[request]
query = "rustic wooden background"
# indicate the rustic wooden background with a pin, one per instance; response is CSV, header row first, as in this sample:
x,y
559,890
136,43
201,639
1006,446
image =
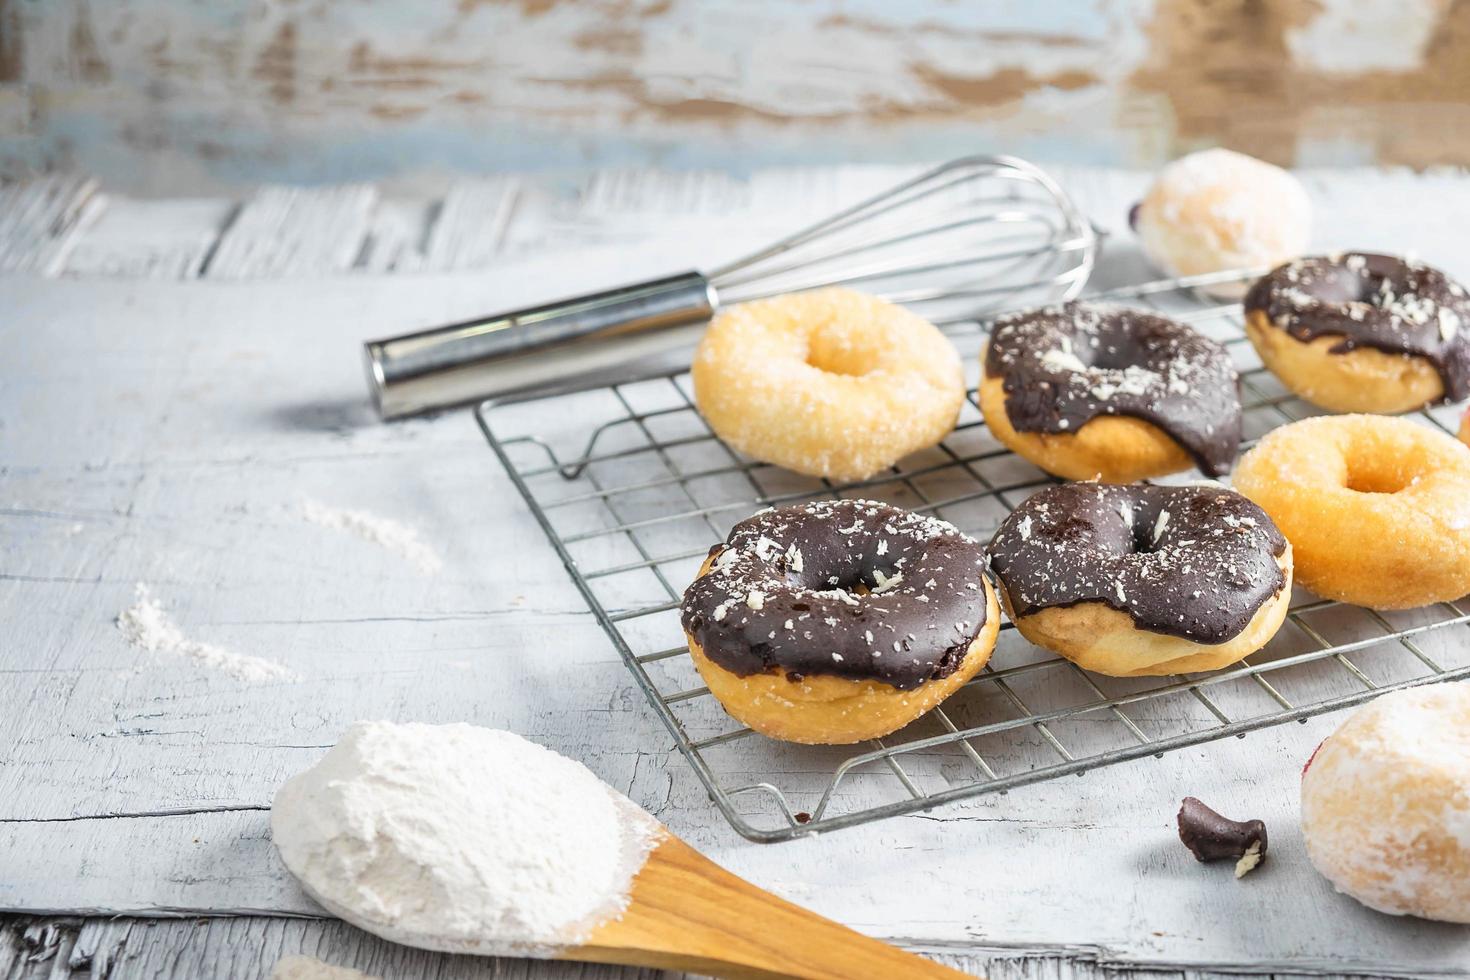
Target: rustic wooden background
x,y
177,96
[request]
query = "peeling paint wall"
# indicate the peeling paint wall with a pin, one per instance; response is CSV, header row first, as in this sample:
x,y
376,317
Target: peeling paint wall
x,y
167,96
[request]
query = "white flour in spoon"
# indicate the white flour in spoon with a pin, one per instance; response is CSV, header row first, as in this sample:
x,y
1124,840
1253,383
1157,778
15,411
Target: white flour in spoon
x,y
462,839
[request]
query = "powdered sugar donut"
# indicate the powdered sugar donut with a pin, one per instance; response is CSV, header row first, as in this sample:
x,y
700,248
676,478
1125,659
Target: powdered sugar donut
x,y
1386,804
831,383
1217,210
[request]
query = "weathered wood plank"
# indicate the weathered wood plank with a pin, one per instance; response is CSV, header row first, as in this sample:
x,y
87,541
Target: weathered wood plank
x,y
470,224
149,239
394,240
166,94
41,219
248,948
294,231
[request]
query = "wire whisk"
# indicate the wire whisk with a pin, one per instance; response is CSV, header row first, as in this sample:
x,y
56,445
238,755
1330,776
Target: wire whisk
x,y
958,242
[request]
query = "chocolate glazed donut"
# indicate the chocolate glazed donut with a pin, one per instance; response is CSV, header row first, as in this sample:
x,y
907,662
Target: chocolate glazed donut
x,y
1092,391
839,620
1143,580
1359,332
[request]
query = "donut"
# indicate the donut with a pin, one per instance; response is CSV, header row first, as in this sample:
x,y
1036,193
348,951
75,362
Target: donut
x,y
1386,803
1143,580
839,620
1217,210
1465,428
1358,332
831,383
1377,508
1088,391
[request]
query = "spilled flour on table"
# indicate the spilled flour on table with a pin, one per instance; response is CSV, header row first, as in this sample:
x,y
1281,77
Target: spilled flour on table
x,y
148,627
398,538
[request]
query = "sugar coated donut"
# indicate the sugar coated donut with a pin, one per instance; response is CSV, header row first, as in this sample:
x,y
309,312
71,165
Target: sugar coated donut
x,y
1376,508
1217,210
1089,391
1357,332
1143,580
1386,804
839,620
830,383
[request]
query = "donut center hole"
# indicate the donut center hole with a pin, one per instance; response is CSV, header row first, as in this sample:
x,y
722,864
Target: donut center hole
x,y
844,362
842,351
1143,539
1378,479
855,586
1108,359
1358,286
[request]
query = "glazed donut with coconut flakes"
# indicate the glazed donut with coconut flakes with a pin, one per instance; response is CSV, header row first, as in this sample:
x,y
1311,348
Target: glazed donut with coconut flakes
x,y
1358,332
1089,391
1386,803
1143,580
1377,508
830,383
839,620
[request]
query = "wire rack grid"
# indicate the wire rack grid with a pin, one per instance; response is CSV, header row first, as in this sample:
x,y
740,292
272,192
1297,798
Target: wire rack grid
x,y
632,488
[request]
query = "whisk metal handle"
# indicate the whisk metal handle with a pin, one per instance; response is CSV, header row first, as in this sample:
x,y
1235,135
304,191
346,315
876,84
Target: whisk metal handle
x,y
528,348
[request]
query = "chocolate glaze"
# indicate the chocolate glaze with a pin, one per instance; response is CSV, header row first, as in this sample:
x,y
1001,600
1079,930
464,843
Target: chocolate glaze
x,y
1376,301
1196,562
786,591
1064,366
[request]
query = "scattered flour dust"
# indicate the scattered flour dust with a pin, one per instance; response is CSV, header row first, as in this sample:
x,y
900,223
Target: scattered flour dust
x,y
148,627
461,839
398,538
310,968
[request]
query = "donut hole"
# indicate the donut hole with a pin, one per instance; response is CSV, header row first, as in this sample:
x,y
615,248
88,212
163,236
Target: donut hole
x,y
835,348
1108,358
841,364
1365,475
1378,281
1144,542
1341,285
852,585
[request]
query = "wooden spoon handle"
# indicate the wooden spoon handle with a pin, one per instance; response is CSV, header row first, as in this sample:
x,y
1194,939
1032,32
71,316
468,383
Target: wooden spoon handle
x,y
688,913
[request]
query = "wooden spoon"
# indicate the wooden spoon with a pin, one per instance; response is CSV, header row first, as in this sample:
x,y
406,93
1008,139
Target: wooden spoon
x,y
688,913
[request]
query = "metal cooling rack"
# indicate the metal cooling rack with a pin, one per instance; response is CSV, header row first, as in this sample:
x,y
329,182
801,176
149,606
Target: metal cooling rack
x,y
632,488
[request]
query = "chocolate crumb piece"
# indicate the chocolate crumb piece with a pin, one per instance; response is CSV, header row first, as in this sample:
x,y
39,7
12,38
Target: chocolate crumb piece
x,y
1211,837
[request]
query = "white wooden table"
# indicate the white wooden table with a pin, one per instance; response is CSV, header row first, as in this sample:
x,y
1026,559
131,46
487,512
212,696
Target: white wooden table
x,y
179,376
